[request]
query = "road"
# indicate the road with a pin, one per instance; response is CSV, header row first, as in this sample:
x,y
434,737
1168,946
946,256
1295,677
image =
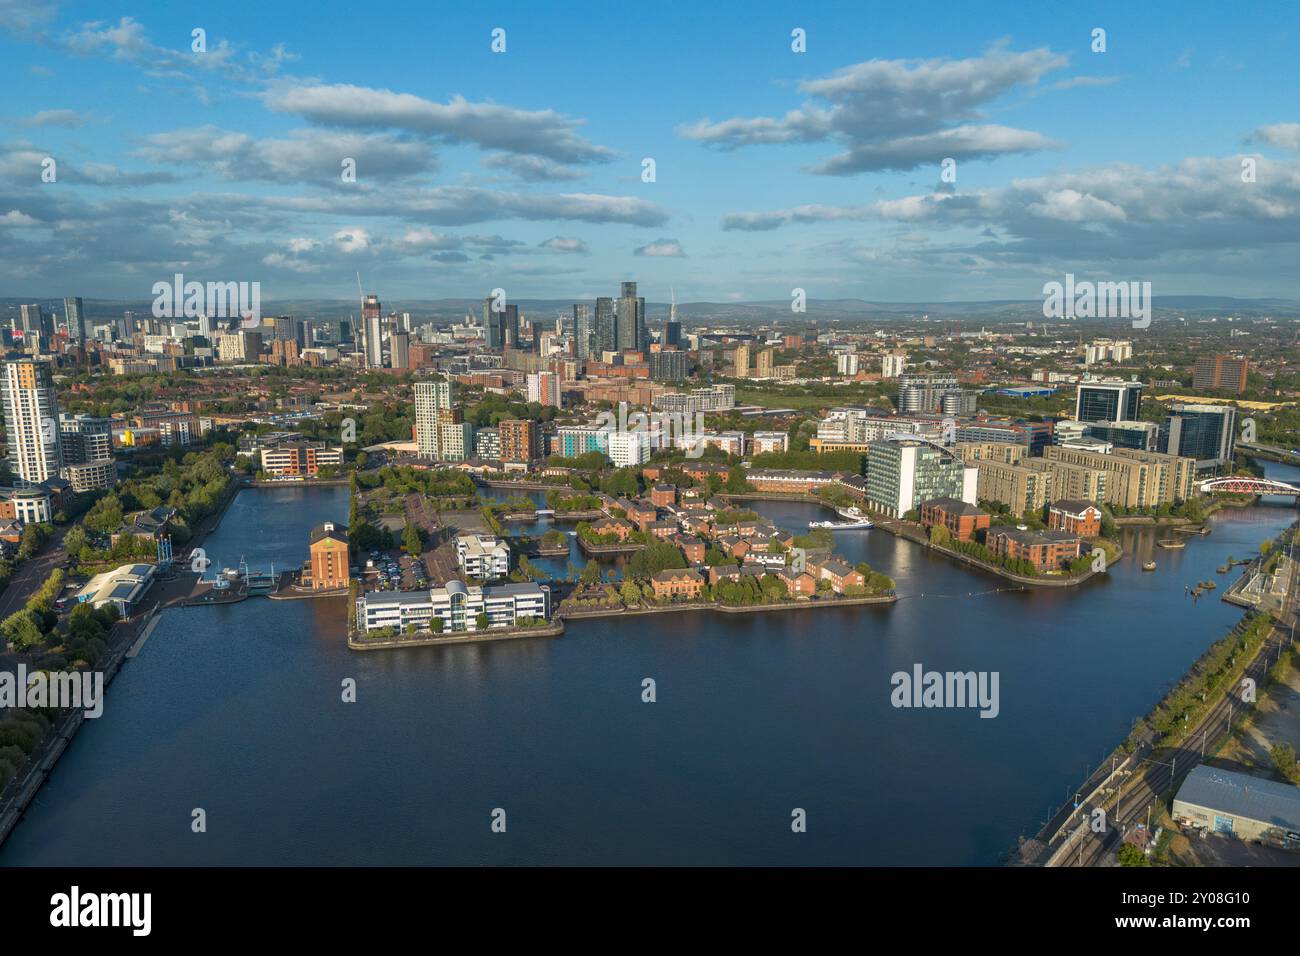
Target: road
x,y
32,573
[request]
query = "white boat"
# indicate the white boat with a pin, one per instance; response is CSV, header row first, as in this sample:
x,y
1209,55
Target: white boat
x,y
842,525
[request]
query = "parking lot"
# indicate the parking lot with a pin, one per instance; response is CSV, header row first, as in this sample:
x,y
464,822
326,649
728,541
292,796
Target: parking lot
x,y
392,571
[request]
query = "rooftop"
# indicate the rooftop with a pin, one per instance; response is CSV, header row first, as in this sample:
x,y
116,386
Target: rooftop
x,y
1239,794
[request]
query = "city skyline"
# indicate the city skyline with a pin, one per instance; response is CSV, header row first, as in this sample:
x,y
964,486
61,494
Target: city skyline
x,y
774,169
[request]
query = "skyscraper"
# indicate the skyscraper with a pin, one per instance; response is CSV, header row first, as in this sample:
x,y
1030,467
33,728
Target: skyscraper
x,y
673,333
31,422
631,333
38,328
510,326
399,350
372,325
74,314
605,338
672,328
493,325
582,331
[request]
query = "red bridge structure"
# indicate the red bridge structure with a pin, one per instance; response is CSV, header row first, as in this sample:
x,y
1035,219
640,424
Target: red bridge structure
x,y
1248,485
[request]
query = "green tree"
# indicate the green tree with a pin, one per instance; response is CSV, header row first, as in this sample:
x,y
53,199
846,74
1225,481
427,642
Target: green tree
x,y
591,573
412,541
630,593
1129,855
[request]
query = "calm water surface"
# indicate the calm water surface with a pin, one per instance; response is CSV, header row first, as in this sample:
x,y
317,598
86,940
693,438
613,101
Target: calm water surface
x,y
237,710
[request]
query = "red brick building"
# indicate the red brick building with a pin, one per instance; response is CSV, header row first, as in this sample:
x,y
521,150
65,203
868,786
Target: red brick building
x,y
680,583
799,583
1045,550
1078,517
692,548
663,496
840,574
961,519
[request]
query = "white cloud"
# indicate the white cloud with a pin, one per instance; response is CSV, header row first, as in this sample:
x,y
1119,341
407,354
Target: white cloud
x,y
899,114
667,248
490,126
1280,135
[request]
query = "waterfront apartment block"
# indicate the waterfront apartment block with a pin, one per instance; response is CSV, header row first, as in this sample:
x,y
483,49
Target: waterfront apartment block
x,y
962,520
679,583
1023,490
327,563
903,472
1045,550
457,606
482,557
1135,479
1071,481
1077,517
300,459
790,481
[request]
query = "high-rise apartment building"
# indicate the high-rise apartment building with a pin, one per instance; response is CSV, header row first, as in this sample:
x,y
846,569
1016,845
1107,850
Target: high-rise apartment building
x,y
431,397
892,364
31,422
1221,371
74,315
582,331
399,350
632,333
372,327
544,388
519,440
605,337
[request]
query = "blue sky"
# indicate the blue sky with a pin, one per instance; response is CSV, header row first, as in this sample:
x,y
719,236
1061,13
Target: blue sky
x,y
774,169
